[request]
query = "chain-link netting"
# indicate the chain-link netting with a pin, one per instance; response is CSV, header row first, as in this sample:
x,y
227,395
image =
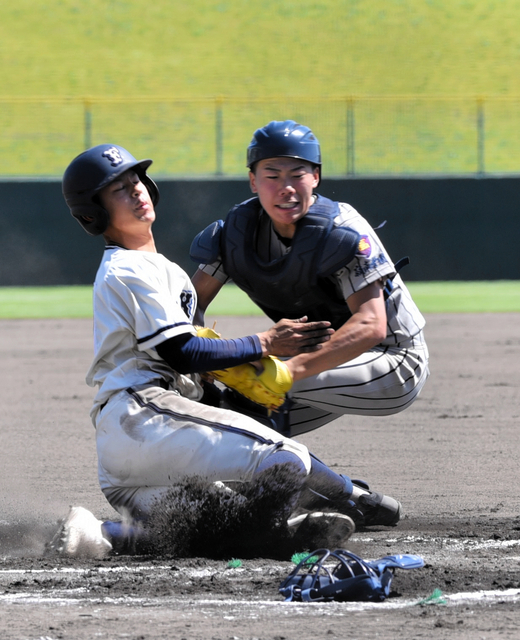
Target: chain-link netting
x,y
358,136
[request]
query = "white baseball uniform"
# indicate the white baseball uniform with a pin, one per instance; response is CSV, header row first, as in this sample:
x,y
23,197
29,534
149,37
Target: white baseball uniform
x,y
151,431
385,379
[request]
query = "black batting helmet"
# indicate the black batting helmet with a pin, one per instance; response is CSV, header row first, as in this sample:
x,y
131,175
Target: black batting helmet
x,y
284,139
92,170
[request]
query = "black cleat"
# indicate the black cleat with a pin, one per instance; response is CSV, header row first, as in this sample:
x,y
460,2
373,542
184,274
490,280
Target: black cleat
x,y
374,508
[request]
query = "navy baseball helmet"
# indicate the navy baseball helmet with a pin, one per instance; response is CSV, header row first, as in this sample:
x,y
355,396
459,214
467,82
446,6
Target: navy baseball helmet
x,y
92,170
284,139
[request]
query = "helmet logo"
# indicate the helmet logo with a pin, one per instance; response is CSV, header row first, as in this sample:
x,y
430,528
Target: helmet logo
x,y
114,155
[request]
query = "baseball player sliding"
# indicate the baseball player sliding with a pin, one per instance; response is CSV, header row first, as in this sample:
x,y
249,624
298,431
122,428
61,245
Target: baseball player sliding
x,y
155,425
296,253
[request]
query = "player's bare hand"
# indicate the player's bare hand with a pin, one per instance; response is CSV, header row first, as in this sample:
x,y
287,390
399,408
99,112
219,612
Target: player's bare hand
x,y
288,338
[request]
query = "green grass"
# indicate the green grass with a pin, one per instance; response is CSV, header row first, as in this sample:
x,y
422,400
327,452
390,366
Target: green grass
x,y
467,297
266,60
46,302
431,297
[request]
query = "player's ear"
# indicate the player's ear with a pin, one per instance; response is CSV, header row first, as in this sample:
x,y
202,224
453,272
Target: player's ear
x,y
252,182
316,175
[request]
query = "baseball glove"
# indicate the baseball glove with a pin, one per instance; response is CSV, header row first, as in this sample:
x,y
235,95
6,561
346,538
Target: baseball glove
x,y
267,388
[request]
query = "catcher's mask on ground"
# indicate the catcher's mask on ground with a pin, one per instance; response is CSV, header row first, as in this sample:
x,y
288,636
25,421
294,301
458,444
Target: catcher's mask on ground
x,y
325,575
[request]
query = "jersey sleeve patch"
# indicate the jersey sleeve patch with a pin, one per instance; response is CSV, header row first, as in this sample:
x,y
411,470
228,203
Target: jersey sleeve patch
x,y
364,247
364,268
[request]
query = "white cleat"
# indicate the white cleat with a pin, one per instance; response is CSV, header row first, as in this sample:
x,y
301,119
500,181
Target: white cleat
x,y
323,529
218,484
80,536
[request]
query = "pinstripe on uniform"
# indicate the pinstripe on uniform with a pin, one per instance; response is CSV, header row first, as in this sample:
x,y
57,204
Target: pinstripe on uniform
x,y
382,381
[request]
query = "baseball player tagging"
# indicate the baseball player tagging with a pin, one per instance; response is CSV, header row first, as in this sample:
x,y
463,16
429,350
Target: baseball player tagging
x,y
155,423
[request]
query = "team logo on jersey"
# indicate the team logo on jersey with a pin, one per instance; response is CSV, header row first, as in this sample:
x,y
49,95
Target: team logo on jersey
x,y
114,155
187,303
364,247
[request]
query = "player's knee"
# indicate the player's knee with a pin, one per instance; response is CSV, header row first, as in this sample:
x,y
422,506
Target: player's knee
x,y
283,458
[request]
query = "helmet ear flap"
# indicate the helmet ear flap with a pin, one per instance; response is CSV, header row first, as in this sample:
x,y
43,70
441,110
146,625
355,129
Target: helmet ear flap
x,y
153,189
92,217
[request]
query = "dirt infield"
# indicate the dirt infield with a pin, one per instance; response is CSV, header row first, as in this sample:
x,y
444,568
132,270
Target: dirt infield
x,y
452,459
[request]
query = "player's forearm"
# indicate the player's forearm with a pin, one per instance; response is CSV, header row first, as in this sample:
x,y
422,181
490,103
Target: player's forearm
x,y
355,337
198,317
192,354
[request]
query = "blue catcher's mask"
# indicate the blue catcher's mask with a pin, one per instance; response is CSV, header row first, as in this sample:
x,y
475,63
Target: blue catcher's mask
x,y
325,575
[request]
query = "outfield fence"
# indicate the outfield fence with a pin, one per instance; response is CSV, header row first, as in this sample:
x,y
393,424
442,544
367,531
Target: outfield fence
x,y
391,135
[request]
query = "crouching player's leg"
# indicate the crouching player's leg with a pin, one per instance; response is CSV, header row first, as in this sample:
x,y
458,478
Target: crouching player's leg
x,y
151,439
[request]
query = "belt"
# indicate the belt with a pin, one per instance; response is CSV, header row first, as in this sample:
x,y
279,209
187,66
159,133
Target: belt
x,y
159,382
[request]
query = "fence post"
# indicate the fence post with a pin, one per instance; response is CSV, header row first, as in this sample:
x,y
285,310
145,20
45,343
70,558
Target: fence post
x,y
481,134
87,108
350,137
219,142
